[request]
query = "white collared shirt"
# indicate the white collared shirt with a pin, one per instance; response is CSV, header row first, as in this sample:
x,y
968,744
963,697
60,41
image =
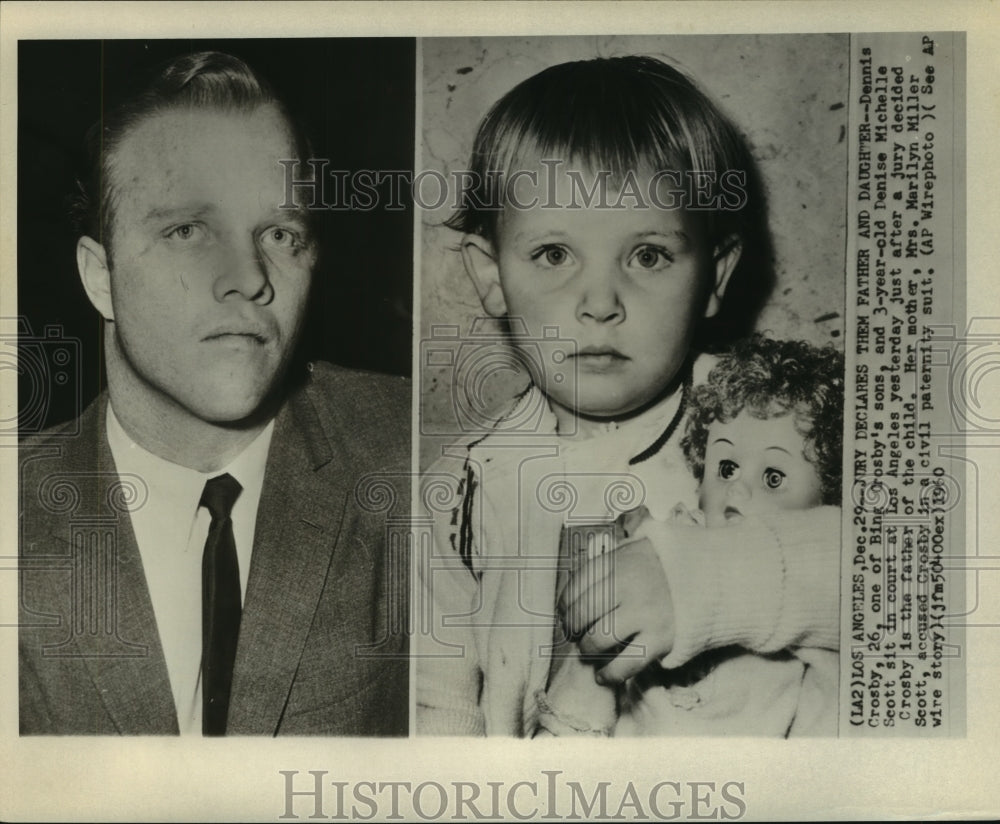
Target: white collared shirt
x,y
170,530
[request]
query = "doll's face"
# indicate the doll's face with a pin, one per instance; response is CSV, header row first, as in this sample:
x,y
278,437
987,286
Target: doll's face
x,y
756,467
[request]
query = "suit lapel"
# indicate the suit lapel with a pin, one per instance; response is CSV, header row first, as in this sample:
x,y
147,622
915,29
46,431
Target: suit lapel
x,y
126,662
136,690
298,522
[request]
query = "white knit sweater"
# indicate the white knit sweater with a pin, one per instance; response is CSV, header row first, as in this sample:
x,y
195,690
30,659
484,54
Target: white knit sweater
x,y
487,580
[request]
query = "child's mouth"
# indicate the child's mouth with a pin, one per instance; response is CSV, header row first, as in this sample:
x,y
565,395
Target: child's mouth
x,y
600,358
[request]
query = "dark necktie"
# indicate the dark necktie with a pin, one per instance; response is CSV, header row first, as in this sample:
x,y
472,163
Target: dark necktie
x,y
220,604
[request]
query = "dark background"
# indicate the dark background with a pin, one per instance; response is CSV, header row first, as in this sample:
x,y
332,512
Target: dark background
x,y
355,98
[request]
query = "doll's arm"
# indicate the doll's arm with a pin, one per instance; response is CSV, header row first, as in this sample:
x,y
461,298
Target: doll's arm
x,y
763,586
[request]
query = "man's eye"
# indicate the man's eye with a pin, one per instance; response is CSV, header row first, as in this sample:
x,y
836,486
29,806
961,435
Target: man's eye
x,y
551,256
773,478
651,257
728,470
186,231
281,237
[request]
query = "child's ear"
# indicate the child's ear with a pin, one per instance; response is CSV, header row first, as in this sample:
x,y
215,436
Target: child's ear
x,y
92,264
481,265
726,255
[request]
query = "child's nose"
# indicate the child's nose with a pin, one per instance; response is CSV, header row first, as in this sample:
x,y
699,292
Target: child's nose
x,y
600,299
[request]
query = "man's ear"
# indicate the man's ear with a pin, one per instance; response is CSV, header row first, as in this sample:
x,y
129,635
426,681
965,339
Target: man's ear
x,y
726,255
92,263
481,265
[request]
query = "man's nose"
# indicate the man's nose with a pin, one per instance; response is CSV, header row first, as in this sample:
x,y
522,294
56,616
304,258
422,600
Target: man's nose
x,y
600,296
244,273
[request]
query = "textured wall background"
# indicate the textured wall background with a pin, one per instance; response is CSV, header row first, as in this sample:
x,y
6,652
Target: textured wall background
x,y
787,93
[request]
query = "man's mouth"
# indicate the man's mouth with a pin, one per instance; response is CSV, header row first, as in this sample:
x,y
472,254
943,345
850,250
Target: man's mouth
x,y
249,333
249,337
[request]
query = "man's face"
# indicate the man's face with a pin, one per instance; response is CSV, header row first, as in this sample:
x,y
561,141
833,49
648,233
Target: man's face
x,y
209,278
756,467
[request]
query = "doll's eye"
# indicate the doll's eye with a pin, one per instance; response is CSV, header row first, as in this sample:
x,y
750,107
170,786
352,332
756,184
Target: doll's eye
x,y
773,478
551,255
728,470
650,257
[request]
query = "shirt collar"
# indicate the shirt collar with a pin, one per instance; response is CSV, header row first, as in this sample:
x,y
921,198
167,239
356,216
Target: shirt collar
x,y
624,439
179,483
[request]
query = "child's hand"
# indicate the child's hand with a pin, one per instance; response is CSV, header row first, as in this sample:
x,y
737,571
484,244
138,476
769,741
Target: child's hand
x,y
628,524
574,703
620,606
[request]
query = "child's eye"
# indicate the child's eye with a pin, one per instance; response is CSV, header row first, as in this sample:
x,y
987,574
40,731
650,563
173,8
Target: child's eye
x,y
551,255
773,478
728,470
651,257
185,232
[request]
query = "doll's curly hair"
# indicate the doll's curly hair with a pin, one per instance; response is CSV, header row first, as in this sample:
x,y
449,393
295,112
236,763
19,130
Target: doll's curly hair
x,y
770,378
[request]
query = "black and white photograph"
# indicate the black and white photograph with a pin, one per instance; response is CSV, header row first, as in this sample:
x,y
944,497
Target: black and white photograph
x,y
213,368
628,261
666,285
408,406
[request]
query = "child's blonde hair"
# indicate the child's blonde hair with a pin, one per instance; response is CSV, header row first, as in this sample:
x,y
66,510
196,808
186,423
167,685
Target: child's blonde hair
x,y
623,114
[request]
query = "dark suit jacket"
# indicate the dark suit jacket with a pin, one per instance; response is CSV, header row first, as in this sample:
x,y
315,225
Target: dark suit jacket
x,y
322,647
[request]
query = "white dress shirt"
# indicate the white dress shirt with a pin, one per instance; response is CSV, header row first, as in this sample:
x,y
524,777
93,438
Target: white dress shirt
x,y
170,530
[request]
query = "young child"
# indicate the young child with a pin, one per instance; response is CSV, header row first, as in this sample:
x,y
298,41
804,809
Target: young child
x,y
614,204
763,437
